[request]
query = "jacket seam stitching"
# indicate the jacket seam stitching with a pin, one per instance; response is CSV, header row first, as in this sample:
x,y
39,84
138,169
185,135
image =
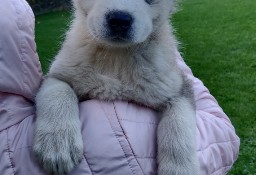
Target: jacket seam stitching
x,y
225,168
16,123
119,142
21,47
215,143
89,166
9,154
127,139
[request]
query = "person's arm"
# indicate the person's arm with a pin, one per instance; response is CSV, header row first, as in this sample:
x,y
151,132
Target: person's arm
x,y
217,142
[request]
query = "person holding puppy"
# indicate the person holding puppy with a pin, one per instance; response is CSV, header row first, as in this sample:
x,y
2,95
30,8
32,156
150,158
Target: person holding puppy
x,y
118,137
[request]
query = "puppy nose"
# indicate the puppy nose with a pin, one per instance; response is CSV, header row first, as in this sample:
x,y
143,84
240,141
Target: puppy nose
x,y
119,22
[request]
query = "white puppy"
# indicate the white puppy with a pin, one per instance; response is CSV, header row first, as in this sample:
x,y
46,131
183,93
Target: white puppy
x,y
117,49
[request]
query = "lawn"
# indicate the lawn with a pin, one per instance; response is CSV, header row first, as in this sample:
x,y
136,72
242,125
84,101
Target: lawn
x,y
218,42
50,31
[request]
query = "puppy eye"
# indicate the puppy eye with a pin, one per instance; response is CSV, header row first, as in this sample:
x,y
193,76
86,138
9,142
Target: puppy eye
x,y
149,1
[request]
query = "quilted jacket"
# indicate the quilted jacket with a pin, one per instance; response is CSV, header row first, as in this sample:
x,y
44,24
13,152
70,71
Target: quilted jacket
x,y
119,137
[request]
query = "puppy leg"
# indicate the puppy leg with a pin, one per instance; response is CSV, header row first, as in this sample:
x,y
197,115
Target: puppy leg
x,y
57,142
176,140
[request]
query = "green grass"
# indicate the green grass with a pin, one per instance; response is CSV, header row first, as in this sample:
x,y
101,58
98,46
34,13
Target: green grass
x,y
219,43
50,29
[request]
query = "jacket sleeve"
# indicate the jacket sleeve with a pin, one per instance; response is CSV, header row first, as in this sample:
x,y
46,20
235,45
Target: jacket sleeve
x,y
217,142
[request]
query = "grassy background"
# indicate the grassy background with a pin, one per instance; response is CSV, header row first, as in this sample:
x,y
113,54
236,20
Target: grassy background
x,y
50,30
218,42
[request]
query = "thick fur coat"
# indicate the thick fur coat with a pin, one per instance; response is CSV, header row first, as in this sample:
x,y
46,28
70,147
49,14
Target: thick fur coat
x,y
99,60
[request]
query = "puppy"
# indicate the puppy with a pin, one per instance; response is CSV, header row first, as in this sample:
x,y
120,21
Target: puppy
x,y
117,50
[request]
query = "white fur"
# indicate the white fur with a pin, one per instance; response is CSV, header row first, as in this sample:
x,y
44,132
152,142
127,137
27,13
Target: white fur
x,y
58,135
143,69
178,128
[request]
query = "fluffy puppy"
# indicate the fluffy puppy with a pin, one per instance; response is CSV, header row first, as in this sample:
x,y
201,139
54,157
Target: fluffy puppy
x,y
117,50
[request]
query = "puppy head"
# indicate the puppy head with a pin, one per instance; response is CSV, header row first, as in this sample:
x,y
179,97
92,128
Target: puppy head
x,y
122,22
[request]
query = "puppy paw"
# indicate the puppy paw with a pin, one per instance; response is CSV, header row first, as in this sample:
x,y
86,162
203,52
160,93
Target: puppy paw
x,y
58,152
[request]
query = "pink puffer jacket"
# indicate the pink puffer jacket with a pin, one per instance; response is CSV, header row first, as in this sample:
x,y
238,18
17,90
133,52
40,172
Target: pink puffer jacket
x,y
119,137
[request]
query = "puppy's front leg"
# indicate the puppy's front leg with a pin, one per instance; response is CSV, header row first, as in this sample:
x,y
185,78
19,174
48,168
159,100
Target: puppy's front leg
x,y
176,139
57,141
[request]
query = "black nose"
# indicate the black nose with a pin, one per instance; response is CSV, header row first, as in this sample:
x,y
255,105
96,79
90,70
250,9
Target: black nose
x,y
119,22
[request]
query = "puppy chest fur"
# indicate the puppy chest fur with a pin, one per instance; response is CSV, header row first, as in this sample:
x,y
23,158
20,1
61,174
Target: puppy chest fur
x,y
145,70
